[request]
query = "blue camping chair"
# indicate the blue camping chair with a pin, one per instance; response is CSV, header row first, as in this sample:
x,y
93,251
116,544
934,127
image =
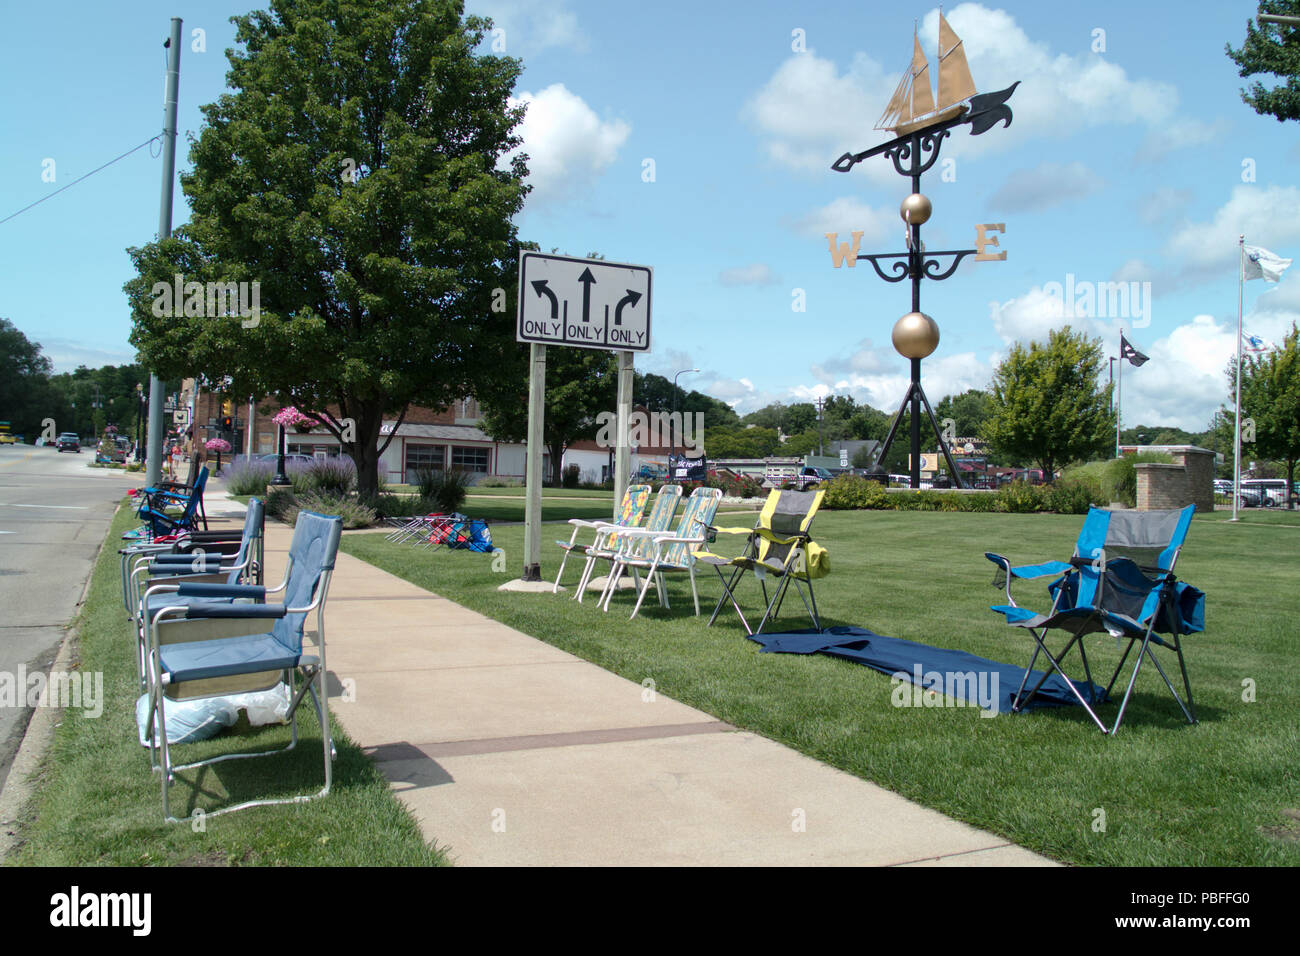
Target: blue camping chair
x,y
155,578
211,649
1120,581
158,522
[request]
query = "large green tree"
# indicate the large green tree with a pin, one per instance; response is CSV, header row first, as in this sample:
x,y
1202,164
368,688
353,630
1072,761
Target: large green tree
x,y
24,382
357,173
1048,404
1271,50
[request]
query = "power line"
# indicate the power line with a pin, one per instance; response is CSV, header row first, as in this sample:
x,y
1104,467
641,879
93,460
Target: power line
x,y
80,178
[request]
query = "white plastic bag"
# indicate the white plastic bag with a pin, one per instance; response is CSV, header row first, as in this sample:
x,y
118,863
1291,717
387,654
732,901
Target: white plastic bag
x,y
187,720
264,706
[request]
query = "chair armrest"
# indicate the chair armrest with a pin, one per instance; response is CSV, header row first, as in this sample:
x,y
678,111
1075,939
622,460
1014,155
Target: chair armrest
x,y
246,611
718,529
254,591
199,564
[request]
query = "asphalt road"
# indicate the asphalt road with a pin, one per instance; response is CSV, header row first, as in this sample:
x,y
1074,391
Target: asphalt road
x,y
54,512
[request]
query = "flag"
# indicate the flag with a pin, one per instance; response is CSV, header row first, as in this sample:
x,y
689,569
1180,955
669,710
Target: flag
x,y
1253,343
1127,351
1262,264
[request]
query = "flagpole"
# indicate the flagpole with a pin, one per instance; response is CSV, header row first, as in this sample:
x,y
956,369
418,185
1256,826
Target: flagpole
x,y
1236,427
1119,390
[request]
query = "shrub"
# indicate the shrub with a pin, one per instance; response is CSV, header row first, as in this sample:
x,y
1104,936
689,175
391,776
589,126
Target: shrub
x,y
244,476
447,493
854,491
355,514
282,505
497,481
1120,482
426,480
569,477
1073,496
335,475
1020,497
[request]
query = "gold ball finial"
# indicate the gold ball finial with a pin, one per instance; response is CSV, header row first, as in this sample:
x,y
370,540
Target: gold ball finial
x,y
915,335
916,209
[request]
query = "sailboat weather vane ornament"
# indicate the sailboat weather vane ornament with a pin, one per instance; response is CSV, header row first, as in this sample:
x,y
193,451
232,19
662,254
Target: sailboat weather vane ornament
x,y
921,122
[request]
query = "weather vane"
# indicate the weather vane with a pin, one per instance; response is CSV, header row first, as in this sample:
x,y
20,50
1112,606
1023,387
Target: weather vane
x,y
920,123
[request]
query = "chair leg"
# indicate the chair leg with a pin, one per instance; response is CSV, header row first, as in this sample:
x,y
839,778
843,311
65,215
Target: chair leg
x,y
776,598
649,578
563,561
694,592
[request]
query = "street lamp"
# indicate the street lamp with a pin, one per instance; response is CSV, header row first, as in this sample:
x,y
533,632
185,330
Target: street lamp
x,y
139,436
674,448
280,477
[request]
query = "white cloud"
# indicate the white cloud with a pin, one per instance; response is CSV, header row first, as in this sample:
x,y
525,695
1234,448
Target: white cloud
x,y
568,145
1180,134
809,112
1164,205
1267,215
846,215
531,27
760,273
1046,185
67,354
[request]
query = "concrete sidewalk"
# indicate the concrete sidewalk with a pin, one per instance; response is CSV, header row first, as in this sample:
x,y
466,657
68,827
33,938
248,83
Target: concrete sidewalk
x,y
511,752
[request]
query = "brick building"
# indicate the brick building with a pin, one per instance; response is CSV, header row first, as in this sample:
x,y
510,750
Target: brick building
x,y
427,439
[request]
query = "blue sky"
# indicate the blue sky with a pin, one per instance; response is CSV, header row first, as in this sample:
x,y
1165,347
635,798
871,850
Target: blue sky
x,y
1136,163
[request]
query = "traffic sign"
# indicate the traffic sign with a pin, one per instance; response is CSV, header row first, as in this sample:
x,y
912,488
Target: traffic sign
x,y
588,303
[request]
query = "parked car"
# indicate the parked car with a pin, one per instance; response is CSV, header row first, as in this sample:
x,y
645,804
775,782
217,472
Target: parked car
x,y
288,457
68,441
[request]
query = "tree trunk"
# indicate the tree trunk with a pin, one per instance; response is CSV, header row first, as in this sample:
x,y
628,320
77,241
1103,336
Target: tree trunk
x,y
557,459
364,451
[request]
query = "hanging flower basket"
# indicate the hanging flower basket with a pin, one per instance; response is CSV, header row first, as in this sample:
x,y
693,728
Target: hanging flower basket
x,y
290,417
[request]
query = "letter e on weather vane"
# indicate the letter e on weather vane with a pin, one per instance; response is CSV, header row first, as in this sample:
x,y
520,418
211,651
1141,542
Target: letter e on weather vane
x,y
983,241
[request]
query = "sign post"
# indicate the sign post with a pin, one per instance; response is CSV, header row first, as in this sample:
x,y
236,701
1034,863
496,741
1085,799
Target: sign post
x,y
533,466
584,303
623,448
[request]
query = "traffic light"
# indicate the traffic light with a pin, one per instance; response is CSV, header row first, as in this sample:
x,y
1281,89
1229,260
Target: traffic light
x,y
227,423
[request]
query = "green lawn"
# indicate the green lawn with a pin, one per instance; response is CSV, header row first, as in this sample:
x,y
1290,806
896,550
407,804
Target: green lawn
x,y
99,803
1172,794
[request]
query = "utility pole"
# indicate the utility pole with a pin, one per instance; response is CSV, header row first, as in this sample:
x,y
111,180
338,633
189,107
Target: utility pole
x,y
153,460
821,405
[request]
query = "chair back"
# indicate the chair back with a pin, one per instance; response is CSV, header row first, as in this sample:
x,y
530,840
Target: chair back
x,y
1136,544
632,507
1152,539
196,496
312,552
659,519
785,514
696,516
253,524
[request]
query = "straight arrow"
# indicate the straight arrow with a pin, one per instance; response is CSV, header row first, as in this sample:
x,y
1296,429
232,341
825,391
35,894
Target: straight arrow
x,y
542,289
632,298
587,280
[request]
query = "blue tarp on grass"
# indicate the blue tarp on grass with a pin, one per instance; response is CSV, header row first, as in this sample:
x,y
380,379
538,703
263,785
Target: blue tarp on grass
x,y
958,674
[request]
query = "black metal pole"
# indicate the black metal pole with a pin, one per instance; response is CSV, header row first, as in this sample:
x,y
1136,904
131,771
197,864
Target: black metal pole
x,y
915,423
280,477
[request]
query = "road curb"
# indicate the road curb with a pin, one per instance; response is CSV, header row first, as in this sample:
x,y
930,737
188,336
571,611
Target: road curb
x,y
21,782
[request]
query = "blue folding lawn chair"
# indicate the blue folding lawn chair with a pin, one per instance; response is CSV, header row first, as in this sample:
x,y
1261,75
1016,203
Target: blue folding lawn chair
x,y
210,649
1120,581
159,523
